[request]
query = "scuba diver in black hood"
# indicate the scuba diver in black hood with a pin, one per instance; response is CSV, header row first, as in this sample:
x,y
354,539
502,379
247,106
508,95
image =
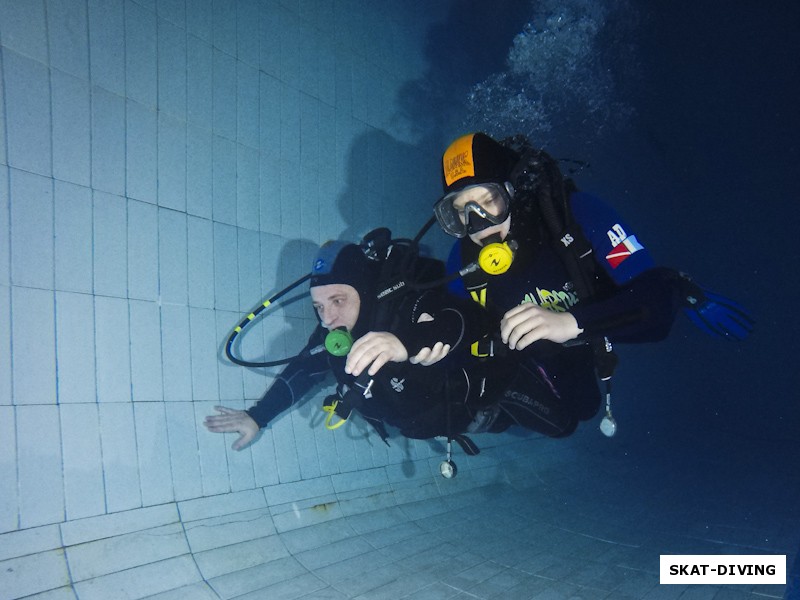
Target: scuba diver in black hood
x,y
382,374
565,276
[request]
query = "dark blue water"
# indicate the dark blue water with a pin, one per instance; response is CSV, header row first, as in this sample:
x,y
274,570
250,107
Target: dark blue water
x,y
687,113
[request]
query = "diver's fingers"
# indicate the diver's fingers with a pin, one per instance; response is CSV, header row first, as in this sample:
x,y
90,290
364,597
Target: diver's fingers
x,y
429,356
227,415
226,423
440,353
524,315
219,425
361,355
358,357
533,323
420,357
234,421
527,339
240,442
379,346
372,359
518,309
386,348
526,333
381,359
246,436
519,323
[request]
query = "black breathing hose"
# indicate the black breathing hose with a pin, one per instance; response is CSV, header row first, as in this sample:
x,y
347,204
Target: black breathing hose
x,y
249,319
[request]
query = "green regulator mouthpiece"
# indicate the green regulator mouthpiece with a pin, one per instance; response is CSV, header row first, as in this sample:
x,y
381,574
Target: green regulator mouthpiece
x,y
338,341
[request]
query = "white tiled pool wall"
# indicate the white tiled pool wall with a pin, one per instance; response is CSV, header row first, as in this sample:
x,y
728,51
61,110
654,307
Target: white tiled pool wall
x,y
163,165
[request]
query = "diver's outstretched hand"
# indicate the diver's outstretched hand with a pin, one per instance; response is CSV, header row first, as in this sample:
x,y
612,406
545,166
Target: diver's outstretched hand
x,y
528,323
229,421
373,350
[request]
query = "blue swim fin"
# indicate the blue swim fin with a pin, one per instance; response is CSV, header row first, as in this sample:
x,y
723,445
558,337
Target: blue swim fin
x,y
716,315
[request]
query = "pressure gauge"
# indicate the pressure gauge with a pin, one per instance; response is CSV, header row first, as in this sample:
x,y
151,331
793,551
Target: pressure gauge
x,y
608,426
448,469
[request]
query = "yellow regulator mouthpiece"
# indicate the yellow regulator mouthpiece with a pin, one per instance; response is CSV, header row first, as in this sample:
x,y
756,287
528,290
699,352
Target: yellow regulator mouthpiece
x,y
496,258
338,342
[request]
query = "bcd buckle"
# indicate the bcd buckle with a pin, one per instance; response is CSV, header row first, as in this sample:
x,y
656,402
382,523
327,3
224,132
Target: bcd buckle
x,y
335,409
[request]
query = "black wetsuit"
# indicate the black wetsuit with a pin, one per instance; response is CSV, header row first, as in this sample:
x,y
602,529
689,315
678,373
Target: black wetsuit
x,y
549,387
411,398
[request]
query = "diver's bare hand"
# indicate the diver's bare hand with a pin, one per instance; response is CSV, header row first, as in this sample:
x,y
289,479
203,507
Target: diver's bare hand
x,y
429,356
372,351
528,323
230,421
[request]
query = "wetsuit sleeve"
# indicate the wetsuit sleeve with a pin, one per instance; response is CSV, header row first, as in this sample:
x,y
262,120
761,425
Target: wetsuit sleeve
x,y
616,245
641,300
455,321
642,310
297,378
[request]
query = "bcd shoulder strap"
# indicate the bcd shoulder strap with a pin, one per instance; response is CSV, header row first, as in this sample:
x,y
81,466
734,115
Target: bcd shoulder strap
x,y
541,176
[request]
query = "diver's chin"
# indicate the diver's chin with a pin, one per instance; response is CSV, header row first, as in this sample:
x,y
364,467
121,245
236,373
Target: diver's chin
x,y
481,237
500,230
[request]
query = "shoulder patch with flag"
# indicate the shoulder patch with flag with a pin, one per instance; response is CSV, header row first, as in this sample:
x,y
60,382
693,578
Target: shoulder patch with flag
x,y
623,246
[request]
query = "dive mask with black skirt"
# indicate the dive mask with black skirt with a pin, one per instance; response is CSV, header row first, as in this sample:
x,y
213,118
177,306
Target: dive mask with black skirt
x,y
474,208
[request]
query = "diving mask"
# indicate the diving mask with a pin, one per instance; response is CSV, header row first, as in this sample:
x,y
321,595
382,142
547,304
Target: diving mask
x,y
474,208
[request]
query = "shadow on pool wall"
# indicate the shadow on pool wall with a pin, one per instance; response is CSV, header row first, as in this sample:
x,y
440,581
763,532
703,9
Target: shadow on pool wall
x,y
131,203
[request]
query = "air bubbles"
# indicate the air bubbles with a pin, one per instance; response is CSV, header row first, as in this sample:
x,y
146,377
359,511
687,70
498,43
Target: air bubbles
x,y
560,73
